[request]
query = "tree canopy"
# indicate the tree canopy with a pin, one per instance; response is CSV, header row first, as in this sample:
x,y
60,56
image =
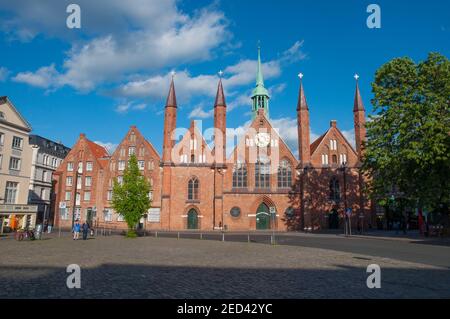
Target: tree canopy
x,y
407,153
131,198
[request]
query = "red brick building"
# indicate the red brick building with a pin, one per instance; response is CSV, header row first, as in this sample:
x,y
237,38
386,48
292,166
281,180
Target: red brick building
x,y
259,184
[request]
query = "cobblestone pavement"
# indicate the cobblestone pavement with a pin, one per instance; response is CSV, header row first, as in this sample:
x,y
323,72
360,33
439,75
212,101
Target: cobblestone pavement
x,y
115,267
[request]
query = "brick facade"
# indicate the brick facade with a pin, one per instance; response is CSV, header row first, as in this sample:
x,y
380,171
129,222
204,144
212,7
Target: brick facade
x,y
260,184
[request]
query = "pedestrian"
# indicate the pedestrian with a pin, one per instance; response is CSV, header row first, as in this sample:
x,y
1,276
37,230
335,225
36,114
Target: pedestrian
x,y
76,230
49,228
85,229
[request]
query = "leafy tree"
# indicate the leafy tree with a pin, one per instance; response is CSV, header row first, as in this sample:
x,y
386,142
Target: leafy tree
x,y
131,198
407,152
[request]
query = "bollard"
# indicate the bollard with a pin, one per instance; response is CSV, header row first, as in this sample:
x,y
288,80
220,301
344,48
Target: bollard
x,y
156,234
178,235
248,238
223,236
201,236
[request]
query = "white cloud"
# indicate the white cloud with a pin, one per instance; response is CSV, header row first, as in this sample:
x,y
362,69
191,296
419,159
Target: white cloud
x,y
110,147
350,136
156,35
198,112
125,107
45,77
4,73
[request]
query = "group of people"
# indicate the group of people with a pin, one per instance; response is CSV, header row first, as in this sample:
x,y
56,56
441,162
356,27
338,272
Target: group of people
x,y
78,228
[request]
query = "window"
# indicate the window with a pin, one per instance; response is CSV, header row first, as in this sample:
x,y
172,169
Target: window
x,y
109,195
14,163
343,158
89,166
80,167
335,193
142,151
150,195
120,218
150,164
262,173
64,212
43,194
87,196
69,181
112,166
110,182
120,180
11,192
122,165
1,160
193,189
78,199
141,165
132,150
122,152
79,182
333,145
70,167
68,196
2,139
88,181
45,176
133,137
107,214
17,142
285,174
324,159
334,159
240,175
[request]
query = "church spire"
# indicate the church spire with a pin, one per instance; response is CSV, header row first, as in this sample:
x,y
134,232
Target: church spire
x,y
260,96
171,97
358,103
220,97
301,104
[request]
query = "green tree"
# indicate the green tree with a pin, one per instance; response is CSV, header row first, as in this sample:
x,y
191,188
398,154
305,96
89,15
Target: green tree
x,y
131,198
408,139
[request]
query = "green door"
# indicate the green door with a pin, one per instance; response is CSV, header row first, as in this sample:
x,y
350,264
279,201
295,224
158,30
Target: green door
x,y
263,217
192,219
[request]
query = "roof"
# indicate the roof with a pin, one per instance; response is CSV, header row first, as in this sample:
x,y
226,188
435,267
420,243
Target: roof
x,y
97,150
171,97
317,142
220,97
49,146
5,99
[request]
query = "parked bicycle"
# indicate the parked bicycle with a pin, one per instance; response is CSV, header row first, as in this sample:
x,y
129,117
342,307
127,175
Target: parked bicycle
x,y
24,234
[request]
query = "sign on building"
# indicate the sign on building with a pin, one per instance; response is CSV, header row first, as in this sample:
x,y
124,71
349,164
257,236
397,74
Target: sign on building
x,y
154,215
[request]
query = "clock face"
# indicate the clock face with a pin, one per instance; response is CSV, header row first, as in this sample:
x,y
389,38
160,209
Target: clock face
x,y
262,139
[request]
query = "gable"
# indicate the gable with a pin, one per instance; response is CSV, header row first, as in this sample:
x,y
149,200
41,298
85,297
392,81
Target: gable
x,y
188,146
323,146
140,141
246,146
11,115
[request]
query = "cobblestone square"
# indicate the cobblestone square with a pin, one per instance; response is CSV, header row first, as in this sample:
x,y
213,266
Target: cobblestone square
x,y
115,267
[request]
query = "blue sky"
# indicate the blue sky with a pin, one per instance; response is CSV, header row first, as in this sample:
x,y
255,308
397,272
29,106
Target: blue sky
x,y
114,72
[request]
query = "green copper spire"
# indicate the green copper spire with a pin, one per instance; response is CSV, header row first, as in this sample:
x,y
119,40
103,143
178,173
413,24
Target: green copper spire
x,y
260,96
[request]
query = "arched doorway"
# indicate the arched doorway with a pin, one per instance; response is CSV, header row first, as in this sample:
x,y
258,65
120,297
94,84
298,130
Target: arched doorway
x,y
192,219
263,217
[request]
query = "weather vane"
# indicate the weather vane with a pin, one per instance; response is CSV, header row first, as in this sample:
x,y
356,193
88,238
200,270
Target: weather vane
x,y
173,73
220,73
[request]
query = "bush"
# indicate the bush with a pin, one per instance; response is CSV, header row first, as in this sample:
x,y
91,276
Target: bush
x,y
131,234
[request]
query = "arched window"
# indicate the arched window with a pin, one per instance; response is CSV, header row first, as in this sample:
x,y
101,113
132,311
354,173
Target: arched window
x,y
240,175
192,158
335,192
285,174
262,173
193,189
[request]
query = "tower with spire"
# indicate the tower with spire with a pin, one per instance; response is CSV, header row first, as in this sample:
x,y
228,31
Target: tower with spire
x,y
260,95
170,124
359,117
220,124
303,126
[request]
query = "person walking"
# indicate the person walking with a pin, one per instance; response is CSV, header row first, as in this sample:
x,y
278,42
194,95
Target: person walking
x,y
76,230
85,229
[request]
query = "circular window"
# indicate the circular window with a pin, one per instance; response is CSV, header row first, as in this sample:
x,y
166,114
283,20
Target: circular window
x,y
235,212
289,212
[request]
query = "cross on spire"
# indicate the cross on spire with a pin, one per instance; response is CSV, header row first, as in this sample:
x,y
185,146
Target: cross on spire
x,y
220,73
356,76
300,75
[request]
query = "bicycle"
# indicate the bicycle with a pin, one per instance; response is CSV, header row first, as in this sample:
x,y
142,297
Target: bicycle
x,y
24,234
